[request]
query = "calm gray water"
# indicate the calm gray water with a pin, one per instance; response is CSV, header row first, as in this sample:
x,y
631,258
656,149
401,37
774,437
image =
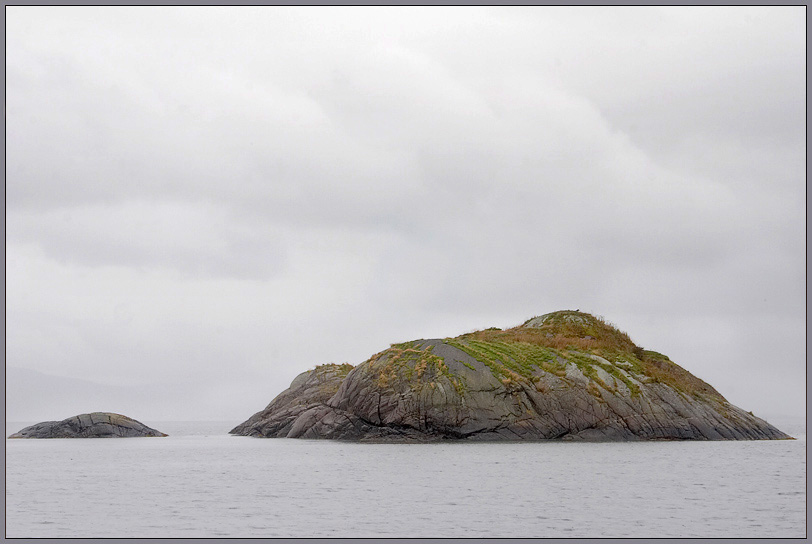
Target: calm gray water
x,y
199,482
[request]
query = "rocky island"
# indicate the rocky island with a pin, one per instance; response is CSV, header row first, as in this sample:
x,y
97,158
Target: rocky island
x,y
566,375
93,425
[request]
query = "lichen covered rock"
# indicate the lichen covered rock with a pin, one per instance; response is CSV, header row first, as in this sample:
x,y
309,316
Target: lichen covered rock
x,y
566,375
93,425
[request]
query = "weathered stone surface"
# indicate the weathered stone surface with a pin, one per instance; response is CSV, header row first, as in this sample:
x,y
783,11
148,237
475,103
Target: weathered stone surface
x,y
308,390
566,375
93,425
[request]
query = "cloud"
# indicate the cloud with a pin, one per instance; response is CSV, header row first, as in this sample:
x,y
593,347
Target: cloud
x,y
266,189
193,238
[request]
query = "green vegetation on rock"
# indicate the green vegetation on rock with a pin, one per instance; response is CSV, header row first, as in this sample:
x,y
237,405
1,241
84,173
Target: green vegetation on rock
x,y
342,370
547,342
509,361
563,375
419,367
542,344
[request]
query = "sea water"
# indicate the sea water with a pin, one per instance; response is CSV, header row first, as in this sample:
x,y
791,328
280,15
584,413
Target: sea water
x,y
201,482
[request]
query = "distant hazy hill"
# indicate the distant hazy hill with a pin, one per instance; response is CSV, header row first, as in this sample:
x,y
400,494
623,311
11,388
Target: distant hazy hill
x,y
33,396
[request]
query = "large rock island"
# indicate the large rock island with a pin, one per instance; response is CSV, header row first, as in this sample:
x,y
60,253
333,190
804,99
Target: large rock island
x,y
565,375
93,425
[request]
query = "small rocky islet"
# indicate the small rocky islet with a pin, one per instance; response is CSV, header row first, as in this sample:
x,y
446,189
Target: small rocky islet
x,y
92,425
566,375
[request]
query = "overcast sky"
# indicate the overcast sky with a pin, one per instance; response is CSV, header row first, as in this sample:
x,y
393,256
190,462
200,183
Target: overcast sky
x,y
209,201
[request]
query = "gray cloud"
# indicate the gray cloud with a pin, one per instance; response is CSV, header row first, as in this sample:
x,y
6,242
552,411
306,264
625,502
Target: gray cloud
x,y
194,238
232,193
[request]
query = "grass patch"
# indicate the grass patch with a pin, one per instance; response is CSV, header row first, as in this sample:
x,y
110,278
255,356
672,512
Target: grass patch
x,y
579,330
508,361
415,366
661,369
326,374
342,370
587,365
567,330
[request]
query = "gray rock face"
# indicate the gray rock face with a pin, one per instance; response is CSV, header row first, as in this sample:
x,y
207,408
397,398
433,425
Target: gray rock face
x,y
93,425
508,385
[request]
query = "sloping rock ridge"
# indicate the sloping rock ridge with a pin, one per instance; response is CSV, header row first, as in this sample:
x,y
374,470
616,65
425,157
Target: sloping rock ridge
x,y
566,375
93,425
